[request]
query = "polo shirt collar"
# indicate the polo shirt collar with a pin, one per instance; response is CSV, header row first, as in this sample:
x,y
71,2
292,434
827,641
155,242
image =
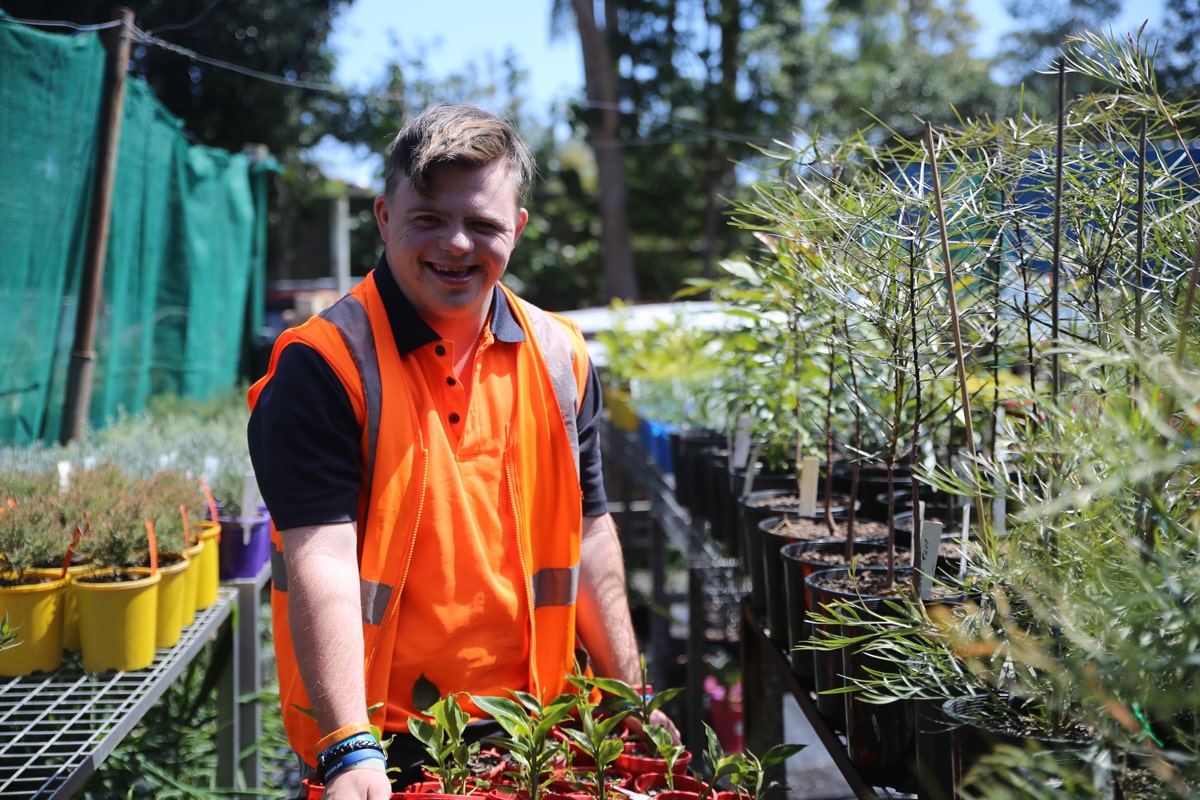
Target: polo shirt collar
x,y
412,332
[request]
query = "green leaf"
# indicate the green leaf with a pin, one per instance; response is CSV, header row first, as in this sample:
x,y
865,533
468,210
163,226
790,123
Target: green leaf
x,y
425,693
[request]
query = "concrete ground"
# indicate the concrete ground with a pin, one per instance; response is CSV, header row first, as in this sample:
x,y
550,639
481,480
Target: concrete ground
x,y
811,773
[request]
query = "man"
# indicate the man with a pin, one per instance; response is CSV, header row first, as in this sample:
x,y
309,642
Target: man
x,y
429,450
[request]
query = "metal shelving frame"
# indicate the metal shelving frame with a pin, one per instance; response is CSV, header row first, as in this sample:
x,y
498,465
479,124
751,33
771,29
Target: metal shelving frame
x,y
766,671
57,728
632,470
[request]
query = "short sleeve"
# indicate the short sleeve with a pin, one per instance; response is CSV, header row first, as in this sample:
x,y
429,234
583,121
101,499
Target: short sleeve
x,y
591,469
305,443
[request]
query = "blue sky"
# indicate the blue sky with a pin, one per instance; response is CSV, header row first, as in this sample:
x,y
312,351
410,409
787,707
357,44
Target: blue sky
x,y
460,32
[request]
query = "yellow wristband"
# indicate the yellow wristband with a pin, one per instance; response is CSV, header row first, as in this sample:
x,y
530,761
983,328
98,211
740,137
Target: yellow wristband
x,y
344,732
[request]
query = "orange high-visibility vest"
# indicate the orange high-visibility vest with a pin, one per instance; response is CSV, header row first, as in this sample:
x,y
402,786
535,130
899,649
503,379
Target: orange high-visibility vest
x,y
356,340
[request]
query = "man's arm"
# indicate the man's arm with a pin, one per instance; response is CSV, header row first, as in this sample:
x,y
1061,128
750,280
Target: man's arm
x,y
325,614
602,609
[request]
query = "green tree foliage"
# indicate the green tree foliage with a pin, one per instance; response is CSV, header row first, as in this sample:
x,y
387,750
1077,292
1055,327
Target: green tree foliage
x,y
286,39
1028,55
697,84
706,87
894,64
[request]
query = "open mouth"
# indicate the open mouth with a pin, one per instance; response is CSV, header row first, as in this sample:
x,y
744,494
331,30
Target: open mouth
x,y
460,274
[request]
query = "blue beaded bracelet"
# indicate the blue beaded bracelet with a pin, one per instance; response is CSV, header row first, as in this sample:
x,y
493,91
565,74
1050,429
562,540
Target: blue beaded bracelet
x,y
348,760
344,746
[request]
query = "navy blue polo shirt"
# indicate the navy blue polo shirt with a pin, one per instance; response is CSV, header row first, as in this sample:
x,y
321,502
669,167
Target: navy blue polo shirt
x,y
306,444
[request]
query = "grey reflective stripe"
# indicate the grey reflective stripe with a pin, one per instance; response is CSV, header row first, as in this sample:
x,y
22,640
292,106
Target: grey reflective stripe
x,y
349,316
560,359
278,569
374,597
555,586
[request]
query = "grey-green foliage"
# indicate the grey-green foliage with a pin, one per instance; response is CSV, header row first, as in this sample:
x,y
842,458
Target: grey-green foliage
x,y
1082,601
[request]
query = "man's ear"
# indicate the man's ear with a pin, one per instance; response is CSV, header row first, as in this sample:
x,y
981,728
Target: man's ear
x,y
522,221
382,214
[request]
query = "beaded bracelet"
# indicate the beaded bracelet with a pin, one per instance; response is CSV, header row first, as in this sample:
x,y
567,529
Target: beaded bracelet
x,y
328,753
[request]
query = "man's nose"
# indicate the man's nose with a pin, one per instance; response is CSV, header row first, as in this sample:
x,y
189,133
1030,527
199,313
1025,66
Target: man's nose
x,y
456,239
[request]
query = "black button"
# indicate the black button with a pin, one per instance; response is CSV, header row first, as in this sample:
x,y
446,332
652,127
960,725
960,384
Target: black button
x,y
450,381
441,351
454,419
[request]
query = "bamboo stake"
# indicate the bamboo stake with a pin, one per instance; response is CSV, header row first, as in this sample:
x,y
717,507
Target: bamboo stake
x,y
1056,266
83,356
1140,241
960,359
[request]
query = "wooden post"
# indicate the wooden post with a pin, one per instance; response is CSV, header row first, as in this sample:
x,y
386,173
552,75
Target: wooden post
x,y
83,357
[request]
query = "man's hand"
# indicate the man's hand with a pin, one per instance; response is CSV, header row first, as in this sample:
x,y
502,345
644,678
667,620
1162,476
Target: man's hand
x,y
657,717
359,784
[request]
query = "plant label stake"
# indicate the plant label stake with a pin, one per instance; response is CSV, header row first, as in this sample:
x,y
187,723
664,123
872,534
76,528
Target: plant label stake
x,y
212,501
927,551
751,470
810,470
187,533
965,543
75,537
741,442
249,495
64,475
153,547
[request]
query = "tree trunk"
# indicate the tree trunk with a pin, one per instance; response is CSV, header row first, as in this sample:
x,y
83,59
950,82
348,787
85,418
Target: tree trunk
x,y
599,73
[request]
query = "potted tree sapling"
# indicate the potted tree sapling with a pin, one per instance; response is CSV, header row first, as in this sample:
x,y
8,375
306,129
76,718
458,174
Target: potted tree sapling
x,y
529,736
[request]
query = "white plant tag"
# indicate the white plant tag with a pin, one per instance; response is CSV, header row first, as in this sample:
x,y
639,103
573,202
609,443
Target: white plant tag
x,y
930,539
249,501
751,470
64,475
964,542
741,443
810,471
211,465
89,462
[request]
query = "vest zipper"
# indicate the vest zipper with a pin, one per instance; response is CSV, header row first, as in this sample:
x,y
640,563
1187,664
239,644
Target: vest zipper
x,y
526,570
394,608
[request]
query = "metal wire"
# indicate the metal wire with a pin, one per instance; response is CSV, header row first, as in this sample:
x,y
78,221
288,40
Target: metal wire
x,y
56,728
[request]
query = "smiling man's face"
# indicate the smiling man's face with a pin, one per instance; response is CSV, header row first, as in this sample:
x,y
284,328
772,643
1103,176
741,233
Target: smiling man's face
x,y
448,248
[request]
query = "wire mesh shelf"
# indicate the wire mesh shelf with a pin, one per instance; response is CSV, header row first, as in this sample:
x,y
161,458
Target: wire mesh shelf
x,y
56,728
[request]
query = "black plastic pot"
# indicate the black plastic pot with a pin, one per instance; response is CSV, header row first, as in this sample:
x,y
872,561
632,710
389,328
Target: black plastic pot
x,y
769,543
797,566
687,446
972,738
872,486
753,508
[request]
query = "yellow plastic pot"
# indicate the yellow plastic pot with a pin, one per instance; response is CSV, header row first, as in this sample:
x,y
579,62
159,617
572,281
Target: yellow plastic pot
x,y
35,610
118,620
70,609
208,564
191,584
172,594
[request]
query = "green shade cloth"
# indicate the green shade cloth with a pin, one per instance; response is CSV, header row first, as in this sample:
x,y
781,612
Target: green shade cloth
x,y
183,277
